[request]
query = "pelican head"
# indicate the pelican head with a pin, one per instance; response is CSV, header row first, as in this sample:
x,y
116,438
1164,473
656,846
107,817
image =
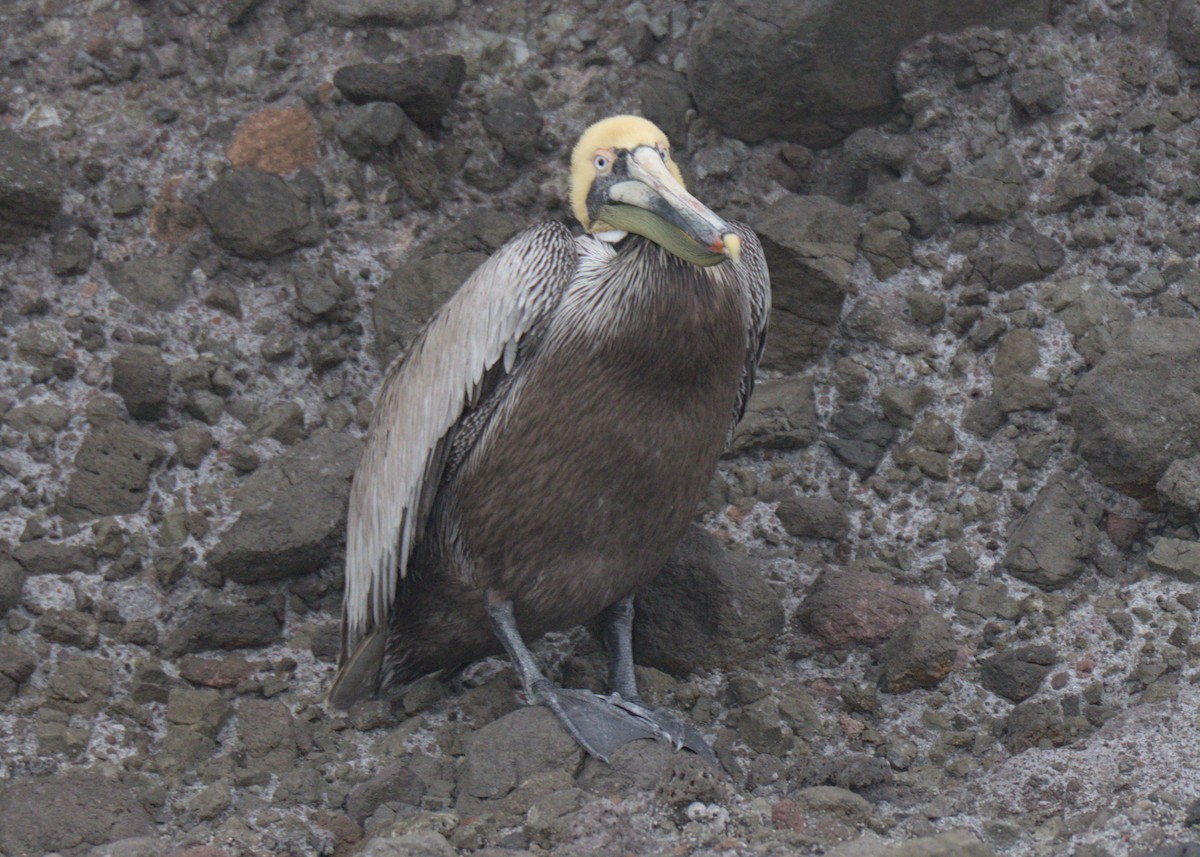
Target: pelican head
x,y
623,180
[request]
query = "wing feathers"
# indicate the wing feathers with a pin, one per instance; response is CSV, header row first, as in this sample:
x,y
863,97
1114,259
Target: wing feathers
x,y
424,395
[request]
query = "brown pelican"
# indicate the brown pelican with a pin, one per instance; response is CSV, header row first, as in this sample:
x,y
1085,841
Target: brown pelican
x,y
537,453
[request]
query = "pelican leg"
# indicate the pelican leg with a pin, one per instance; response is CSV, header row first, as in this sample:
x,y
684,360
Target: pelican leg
x,y
599,725
617,625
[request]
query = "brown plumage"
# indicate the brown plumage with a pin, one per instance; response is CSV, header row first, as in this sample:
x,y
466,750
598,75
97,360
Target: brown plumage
x,y
546,439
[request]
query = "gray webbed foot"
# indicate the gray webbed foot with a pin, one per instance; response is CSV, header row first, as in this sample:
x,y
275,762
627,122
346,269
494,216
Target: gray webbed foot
x,y
601,726
673,728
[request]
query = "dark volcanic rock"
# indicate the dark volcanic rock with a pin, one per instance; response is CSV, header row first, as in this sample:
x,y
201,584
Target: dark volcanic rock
x,y
989,191
16,666
152,282
1183,34
257,215
1138,409
424,87
1095,316
515,120
845,607
1051,545
67,812
71,249
1025,256
781,414
45,557
1177,557
860,438
293,512
919,654
506,752
813,517
224,626
369,128
112,469
390,13
1034,724
1038,91
30,189
394,783
707,608
1179,487
1016,675
1121,168
666,101
809,243
917,203
12,581
430,274
819,70
143,379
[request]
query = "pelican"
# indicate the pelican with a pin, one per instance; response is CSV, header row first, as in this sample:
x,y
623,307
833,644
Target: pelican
x,y
539,450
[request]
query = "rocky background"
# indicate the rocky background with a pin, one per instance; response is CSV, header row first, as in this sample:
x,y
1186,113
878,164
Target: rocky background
x,y
944,593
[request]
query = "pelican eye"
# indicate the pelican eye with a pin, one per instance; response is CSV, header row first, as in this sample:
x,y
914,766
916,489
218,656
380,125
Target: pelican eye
x,y
662,153
602,163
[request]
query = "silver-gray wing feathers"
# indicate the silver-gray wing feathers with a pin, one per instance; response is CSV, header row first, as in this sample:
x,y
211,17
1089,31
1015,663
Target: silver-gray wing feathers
x,y
424,394
755,281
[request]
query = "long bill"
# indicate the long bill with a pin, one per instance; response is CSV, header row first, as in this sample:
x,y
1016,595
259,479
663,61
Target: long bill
x,y
654,204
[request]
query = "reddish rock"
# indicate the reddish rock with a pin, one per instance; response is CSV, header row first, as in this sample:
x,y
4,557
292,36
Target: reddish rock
x,y
1123,531
787,815
276,140
172,220
845,607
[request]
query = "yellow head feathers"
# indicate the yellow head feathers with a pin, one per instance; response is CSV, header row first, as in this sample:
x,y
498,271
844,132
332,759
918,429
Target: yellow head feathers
x,y
615,132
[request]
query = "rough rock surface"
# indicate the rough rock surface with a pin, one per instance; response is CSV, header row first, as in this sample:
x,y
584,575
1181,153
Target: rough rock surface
x,y
940,630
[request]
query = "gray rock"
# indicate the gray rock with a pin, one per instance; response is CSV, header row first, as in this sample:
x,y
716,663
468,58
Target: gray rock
x,y
706,608
847,607
989,191
809,243
885,244
1038,92
430,274
415,166
920,653
1050,546
282,421
781,414
1024,257
390,13
192,443
30,189
71,250
1138,409
422,844
901,404
68,811
666,101
1013,388
126,199
206,627
818,70
12,582
1095,316
1034,724
26,418
112,469
45,557
394,783
1183,32
1017,674
813,517
860,438
369,128
507,752
424,87
16,666
143,379
515,120
1179,488
69,627
1120,168
917,203
156,283
293,512
257,215
134,846
879,317
954,843
1072,187
1176,557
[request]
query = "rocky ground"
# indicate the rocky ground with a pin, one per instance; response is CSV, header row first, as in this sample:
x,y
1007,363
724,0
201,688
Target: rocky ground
x,y
943,593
